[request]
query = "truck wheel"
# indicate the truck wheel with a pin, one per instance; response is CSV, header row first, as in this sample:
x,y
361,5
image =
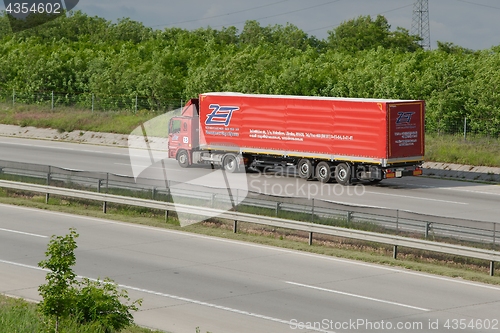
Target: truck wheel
x,y
230,163
324,172
343,174
183,159
305,169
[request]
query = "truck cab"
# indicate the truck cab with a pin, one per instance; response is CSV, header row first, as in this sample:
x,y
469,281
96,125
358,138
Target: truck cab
x,y
183,134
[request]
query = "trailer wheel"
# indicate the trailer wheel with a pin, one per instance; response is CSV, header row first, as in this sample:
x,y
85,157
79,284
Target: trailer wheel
x,y
343,174
230,163
305,169
324,172
183,159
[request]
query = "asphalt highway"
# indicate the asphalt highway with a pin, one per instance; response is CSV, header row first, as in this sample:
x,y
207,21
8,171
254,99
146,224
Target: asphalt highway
x,y
455,199
224,286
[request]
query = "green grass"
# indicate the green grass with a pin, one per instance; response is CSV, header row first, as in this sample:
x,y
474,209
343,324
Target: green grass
x,y
20,316
70,119
475,150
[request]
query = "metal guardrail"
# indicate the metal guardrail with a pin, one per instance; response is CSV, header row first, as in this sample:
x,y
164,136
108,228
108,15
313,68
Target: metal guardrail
x,y
311,228
392,220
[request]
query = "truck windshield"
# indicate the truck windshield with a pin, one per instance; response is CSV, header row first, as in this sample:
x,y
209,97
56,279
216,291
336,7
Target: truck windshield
x,y
175,126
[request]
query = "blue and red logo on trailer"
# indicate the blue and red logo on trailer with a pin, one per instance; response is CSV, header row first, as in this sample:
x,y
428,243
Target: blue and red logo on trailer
x,y
220,115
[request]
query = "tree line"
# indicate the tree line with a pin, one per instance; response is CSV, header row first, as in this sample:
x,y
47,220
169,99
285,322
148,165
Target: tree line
x,y
362,57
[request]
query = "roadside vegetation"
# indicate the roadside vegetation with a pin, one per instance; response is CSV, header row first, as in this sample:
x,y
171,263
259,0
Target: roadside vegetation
x,y
20,316
85,61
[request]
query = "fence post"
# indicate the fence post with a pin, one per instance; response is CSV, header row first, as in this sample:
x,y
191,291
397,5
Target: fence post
x,y
465,129
52,105
135,103
310,238
235,227
492,268
13,97
92,102
395,252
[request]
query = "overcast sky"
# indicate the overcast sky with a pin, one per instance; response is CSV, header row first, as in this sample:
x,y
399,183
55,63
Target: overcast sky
x,y
472,24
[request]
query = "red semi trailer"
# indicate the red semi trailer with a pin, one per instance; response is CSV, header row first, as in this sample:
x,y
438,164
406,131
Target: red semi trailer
x,y
341,139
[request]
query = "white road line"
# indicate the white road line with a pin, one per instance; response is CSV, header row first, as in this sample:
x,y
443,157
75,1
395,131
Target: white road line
x,y
23,233
260,246
456,189
418,198
184,299
356,296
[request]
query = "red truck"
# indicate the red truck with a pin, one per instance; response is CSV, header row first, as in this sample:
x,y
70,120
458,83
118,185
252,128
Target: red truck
x,y
330,139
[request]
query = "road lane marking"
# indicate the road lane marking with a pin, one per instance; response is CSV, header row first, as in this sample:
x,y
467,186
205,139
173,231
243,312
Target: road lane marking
x,y
22,233
418,198
259,246
184,299
356,296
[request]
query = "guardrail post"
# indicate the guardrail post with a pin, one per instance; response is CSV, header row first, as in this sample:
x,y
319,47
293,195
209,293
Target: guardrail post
x,y
104,207
397,220
278,205
212,200
98,186
166,215
235,226
395,252
349,217
310,238
492,268
428,226
153,193
107,182
312,210
47,195
494,232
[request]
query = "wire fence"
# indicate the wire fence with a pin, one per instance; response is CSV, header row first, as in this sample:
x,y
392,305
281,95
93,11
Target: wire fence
x,y
461,126
91,101
465,127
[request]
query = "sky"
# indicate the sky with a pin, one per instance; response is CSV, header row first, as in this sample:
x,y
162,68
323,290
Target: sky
x,y
473,24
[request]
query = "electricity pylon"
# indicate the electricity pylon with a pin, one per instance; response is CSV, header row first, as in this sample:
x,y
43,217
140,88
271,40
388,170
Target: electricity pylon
x,y
420,23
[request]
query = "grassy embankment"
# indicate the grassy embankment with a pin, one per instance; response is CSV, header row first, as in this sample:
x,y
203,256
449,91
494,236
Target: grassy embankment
x,y
20,316
444,148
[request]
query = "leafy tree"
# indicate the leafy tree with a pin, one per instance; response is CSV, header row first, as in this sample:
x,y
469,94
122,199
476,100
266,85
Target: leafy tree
x,y
59,292
451,48
364,33
87,302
